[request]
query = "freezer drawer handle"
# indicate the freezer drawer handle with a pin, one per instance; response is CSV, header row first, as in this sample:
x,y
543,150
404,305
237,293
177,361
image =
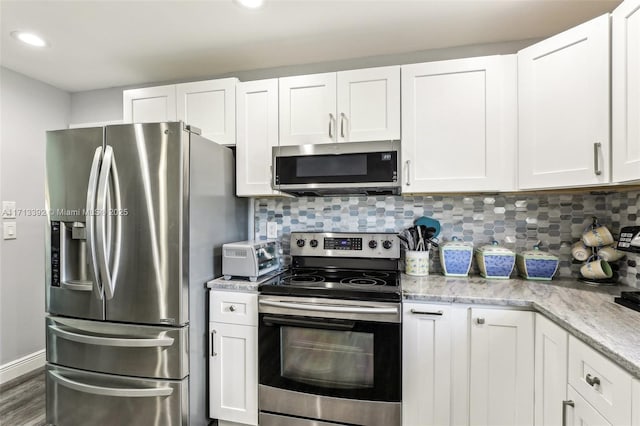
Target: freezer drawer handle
x,y
331,308
111,341
120,392
76,286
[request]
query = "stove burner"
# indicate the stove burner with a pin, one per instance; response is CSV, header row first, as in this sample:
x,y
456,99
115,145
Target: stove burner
x,y
304,278
361,281
375,274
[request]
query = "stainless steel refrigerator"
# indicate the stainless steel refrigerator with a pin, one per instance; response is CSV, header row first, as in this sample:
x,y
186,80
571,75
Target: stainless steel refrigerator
x,y
137,217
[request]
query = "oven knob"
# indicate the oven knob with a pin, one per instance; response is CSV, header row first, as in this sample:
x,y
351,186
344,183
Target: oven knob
x,y
300,243
373,244
313,243
387,244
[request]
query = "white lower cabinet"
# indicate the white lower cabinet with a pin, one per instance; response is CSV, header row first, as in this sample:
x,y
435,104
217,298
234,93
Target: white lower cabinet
x,y
580,413
233,357
501,367
635,404
550,372
426,364
604,385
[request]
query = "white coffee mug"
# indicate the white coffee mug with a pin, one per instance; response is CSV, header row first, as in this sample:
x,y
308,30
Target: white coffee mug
x,y
597,269
610,253
417,263
580,252
597,237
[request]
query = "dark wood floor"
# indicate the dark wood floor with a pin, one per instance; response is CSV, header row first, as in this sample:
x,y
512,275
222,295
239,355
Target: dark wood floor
x,y
22,400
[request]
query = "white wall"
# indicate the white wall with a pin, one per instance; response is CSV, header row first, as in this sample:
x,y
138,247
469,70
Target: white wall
x,y
27,109
106,104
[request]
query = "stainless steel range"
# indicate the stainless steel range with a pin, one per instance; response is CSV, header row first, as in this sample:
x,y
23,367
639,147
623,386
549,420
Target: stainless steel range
x,y
330,333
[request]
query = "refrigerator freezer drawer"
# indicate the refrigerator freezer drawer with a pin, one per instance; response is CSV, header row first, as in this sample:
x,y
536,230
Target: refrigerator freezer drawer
x,y
128,350
81,398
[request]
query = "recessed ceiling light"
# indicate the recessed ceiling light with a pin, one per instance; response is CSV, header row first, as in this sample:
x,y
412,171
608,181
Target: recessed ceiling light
x,y
251,4
29,38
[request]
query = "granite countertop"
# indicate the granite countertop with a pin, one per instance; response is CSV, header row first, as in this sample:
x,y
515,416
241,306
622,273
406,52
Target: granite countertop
x,y
241,284
589,313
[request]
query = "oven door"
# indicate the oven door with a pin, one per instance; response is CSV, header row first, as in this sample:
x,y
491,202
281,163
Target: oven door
x,y
340,349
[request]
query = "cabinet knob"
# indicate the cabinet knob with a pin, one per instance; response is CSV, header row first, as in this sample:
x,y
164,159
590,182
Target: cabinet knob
x,y
592,380
232,308
480,320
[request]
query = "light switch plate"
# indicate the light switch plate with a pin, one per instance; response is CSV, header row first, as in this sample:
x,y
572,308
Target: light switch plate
x,y
272,230
9,230
8,209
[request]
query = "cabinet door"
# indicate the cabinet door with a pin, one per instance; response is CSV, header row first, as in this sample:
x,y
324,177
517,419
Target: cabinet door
x,y
257,117
369,104
453,134
581,413
211,107
426,364
149,105
233,373
550,372
501,367
308,109
625,84
635,405
563,97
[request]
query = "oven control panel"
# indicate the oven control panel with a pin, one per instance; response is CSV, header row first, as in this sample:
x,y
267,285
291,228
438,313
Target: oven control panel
x,y
351,244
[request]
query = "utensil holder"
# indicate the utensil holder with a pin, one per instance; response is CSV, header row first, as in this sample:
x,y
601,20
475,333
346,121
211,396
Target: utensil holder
x,y
417,263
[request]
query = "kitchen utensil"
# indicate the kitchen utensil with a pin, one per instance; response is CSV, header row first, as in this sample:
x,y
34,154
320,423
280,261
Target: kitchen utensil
x,y
579,251
597,237
455,257
610,253
429,223
417,263
495,261
536,264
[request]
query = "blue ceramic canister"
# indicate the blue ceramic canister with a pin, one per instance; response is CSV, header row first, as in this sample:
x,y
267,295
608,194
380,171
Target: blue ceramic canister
x,y
455,257
536,264
495,261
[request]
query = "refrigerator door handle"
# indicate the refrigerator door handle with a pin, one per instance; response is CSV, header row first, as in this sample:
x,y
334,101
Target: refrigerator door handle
x,y
90,215
108,175
111,341
104,391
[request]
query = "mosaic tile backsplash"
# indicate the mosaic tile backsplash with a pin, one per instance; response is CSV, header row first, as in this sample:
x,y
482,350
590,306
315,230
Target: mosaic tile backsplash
x,y
515,221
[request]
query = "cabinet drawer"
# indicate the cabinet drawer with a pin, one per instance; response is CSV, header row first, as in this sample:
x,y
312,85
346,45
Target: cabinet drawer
x,y
600,382
233,307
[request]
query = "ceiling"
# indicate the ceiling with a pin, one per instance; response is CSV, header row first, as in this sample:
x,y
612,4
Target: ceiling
x,y
99,44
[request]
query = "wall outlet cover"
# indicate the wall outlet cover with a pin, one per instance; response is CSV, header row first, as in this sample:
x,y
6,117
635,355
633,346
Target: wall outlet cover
x,y
8,209
9,230
272,230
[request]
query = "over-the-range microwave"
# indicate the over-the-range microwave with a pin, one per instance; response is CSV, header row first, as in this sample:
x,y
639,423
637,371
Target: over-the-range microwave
x,y
338,168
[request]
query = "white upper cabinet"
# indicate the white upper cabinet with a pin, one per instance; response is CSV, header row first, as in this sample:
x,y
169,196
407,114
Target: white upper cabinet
x,y
459,125
257,131
369,104
625,85
563,98
348,106
308,109
149,104
207,105
211,107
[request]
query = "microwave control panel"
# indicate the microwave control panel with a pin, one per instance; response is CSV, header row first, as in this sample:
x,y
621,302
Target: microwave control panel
x,y
629,239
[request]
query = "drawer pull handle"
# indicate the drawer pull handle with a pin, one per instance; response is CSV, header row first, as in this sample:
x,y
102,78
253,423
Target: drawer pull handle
x,y
232,308
438,313
591,380
566,404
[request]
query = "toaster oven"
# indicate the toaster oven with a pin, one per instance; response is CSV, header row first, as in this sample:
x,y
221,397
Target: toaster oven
x,y
250,259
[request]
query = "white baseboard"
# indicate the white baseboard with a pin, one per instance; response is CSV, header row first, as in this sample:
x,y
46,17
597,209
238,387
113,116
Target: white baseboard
x,y
24,365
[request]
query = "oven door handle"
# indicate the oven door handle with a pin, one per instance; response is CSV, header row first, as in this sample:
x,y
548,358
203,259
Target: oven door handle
x,y
308,323
331,308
